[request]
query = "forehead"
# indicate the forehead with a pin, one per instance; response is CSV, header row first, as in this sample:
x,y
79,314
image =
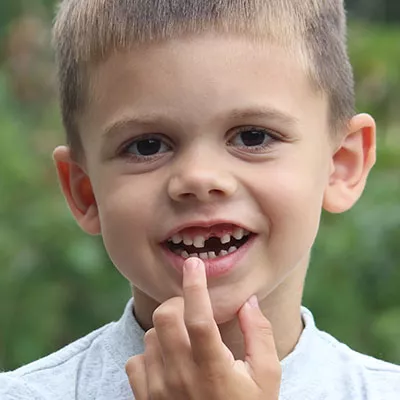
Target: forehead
x,y
198,78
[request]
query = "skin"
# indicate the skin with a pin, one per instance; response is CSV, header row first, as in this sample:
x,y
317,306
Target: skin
x,y
185,357
196,94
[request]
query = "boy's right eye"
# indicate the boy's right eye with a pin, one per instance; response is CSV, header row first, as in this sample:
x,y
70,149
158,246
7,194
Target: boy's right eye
x,y
145,148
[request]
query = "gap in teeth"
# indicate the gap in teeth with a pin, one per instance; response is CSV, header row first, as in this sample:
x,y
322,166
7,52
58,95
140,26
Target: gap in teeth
x,y
213,249
209,248
198,241
205,255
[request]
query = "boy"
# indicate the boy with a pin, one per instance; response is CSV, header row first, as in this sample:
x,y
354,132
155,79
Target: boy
x,y
204,139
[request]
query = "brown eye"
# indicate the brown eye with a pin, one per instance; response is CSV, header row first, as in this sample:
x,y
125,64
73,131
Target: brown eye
x,y
252,138
146,147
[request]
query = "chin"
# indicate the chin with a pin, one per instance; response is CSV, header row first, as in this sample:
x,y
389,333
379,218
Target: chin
x,y
222,315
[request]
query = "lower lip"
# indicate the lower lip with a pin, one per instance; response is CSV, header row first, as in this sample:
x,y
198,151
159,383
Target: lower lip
x,y
215,267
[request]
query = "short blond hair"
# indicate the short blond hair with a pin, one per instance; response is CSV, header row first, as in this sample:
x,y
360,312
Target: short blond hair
x,y
86,32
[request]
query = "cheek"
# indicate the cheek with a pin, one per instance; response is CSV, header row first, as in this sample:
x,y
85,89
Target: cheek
x,y
124,216
290,202
127,218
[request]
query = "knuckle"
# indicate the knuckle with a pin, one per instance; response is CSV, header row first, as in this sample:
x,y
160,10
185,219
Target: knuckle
x,y
193,288
157,393
177,382
276,370
133,364
166,314
265,327
150,336
200,328
273,370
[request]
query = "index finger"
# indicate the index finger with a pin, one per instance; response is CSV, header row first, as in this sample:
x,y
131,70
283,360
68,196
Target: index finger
x,y
205,339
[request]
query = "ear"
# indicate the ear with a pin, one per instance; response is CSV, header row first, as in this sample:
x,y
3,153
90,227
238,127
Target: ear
x,y
77,190
351,164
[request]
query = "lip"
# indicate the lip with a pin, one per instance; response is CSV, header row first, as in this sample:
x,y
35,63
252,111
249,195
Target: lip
x,y
204,224
215,267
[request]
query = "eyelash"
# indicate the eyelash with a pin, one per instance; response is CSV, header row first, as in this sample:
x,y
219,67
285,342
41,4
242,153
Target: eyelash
x,y
270,136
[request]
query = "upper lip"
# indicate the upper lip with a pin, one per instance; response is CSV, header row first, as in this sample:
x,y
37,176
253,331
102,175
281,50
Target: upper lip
x,y
204,224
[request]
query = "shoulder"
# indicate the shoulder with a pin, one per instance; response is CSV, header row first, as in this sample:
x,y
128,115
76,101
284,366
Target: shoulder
x,y
56,375
91,368
323,368
380,376
370,377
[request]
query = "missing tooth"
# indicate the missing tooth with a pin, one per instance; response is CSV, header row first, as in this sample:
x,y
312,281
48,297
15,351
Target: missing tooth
x,y
213,244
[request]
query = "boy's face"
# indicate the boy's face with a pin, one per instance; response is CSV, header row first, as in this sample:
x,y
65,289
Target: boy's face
x,y
202,131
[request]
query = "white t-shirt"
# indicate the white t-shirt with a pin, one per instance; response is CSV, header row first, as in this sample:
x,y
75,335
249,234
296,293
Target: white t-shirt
x,y
93,368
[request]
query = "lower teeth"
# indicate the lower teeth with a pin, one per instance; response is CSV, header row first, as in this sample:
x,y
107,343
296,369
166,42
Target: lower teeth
x,y
206,256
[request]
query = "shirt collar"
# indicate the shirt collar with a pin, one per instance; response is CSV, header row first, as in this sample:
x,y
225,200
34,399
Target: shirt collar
x,y
125,339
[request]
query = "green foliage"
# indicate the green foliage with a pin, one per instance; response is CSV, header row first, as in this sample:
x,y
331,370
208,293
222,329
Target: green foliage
x,y
56,283
354,278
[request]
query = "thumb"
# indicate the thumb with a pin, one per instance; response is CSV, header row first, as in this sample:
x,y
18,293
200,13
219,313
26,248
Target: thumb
x,y
261,354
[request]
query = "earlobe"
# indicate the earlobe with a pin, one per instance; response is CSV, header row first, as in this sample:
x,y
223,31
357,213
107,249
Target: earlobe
x,y
351,164
77,190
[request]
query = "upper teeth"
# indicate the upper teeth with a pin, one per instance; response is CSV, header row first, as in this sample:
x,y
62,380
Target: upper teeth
x,y
238,233
176,239
188,241
198,241
225,239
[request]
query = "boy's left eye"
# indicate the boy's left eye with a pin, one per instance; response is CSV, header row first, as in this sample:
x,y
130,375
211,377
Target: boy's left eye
x,y
253,139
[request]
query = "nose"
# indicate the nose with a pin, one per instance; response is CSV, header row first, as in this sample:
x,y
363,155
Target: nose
x,y
201,178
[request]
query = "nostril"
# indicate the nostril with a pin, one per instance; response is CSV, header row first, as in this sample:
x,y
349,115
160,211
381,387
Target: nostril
x,y
216,192
208,186
201,195
187,195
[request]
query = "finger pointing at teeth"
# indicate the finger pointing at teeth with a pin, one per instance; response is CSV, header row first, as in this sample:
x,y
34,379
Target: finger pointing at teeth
x,y
205,339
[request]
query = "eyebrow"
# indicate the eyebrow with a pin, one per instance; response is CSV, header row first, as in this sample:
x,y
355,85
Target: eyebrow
x,y
127,123
149,120
267,113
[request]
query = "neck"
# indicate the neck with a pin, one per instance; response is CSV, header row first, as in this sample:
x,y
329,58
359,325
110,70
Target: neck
x,y
281,307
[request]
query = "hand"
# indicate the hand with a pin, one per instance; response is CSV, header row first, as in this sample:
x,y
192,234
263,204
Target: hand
x,y
185,358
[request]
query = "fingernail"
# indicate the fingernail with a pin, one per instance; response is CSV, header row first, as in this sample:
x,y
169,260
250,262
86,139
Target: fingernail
x,y
192,264
253,302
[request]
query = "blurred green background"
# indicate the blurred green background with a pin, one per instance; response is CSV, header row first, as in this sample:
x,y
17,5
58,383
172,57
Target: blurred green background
x,y
57,284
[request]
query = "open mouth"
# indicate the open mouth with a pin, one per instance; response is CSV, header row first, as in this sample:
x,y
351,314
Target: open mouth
x,y
209,245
